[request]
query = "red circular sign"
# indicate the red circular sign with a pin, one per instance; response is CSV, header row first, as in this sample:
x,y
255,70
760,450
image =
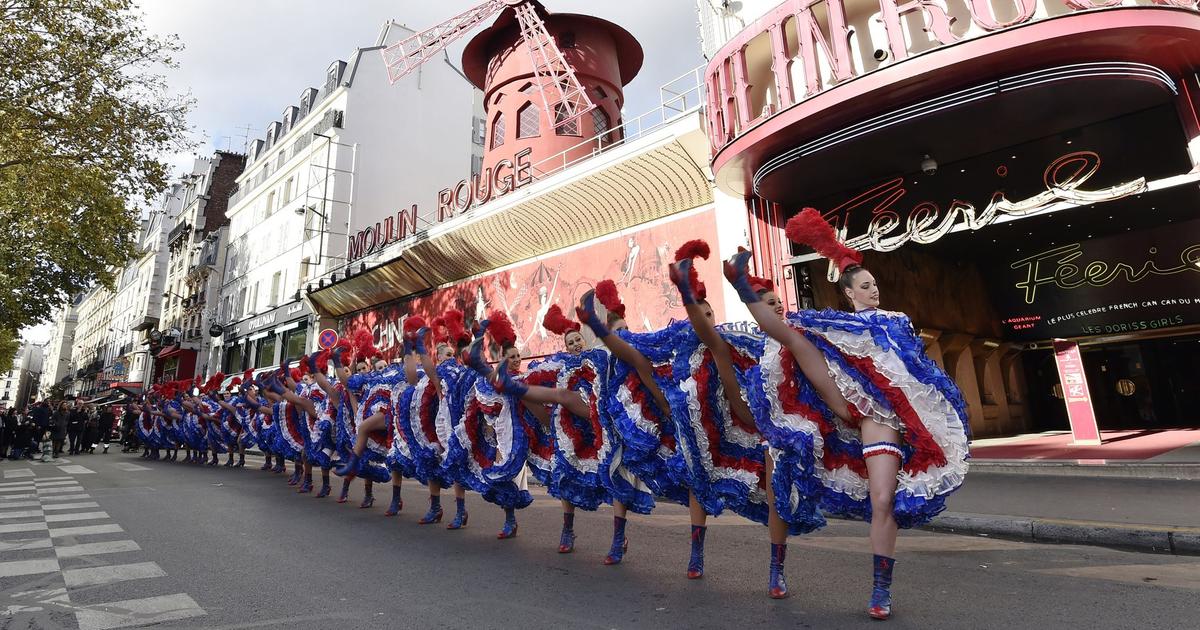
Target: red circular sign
x,y
328,338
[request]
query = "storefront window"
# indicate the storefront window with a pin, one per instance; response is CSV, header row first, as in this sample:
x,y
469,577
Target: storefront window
x,y
170,367
233,359
264,352
295,343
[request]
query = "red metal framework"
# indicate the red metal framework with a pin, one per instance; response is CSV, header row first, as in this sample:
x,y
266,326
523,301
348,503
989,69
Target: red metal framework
x,y
555,79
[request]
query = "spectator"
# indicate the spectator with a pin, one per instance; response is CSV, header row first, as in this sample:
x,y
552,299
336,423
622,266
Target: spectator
x,y
8,431
91,432
58,431
107,418
128,430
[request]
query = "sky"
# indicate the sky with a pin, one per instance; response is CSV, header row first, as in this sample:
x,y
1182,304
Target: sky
x,y
244,61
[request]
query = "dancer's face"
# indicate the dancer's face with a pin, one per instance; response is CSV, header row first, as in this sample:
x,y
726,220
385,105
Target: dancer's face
x,y
863,292
512,359
444,352
770,298
618,325
380,365
574,342
363,368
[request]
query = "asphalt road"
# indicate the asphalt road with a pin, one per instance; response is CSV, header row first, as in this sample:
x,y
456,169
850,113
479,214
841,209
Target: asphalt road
x,y
185,546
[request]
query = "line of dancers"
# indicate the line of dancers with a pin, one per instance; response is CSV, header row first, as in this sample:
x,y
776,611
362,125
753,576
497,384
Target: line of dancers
x,y
816,414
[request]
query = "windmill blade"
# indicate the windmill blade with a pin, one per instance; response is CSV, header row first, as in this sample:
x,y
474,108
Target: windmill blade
x,y
563,96
407,55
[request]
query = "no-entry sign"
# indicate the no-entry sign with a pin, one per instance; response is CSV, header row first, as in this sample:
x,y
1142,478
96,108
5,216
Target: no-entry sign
x,y
327,339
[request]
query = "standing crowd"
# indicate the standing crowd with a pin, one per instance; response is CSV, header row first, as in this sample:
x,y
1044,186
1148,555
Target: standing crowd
x,y
48,428
812,414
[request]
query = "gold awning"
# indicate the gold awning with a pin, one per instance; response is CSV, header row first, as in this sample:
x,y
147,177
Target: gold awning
x,y
649,178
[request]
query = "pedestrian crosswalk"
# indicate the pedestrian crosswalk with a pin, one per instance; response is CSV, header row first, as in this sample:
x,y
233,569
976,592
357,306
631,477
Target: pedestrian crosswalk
x,y
59,552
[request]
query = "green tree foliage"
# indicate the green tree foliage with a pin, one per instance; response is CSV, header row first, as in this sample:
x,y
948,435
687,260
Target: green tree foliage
x,y
85,122
10,343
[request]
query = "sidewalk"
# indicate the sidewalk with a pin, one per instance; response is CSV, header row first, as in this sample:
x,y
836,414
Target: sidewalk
x,y
1137,490
1147,454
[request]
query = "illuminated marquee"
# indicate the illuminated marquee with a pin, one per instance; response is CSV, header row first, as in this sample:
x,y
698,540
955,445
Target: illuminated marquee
x,y
492,183
809,44
925,222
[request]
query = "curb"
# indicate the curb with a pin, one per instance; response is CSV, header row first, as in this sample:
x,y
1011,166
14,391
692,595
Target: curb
x,y
1182,541
1139,470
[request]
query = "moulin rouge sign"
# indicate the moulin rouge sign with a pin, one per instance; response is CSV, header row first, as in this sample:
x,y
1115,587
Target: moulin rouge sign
x,y
493,182
802,25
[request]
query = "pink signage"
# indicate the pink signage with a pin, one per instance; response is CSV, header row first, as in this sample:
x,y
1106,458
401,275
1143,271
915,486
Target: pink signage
x,y
1075,393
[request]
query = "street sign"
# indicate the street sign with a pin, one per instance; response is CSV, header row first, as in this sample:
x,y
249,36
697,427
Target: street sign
x,y
327,339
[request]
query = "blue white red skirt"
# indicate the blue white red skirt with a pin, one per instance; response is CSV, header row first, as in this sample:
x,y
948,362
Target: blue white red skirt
x,y
724,454
493,442
879,365
418,413
320,447
646,432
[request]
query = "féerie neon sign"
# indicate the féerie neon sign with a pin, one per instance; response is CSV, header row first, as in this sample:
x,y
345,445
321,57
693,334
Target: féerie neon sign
x,y
926,222
1066,274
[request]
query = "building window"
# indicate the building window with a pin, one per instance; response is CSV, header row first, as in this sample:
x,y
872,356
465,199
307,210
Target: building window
x,y
600,122
312,224
305,266
264,352
498,130
570,128
270,202
276,282
233,359
295,343
241,302
528,121
287,190
279,161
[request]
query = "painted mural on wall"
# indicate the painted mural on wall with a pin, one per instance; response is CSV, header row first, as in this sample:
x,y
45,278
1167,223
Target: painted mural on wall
x,y
636,261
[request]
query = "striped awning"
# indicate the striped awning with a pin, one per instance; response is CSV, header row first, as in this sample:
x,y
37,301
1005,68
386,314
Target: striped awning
x,y
652,177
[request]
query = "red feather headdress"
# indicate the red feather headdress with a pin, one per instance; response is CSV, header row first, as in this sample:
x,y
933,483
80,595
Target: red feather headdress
x,y
323,361
556,322
364,345
761,284
810,228
501,329
303,365
692,249
413,323
606,293
440,335
455,328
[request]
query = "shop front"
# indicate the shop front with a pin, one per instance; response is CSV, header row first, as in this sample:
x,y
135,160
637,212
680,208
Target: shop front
x,y
266,339
1024,188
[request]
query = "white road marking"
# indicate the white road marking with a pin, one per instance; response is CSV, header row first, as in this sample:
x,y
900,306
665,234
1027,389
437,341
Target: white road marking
x,y
65,497
28,567
95,549
127,467
21,514
26,543
138,612
15,497
18,472
75,516
95,576
9,484
50,484
43,479
59,489
23,527
70,506
8,505
22,488
84,530
76,470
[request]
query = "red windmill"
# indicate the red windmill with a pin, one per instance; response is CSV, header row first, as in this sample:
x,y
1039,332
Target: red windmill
x,y
555,79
